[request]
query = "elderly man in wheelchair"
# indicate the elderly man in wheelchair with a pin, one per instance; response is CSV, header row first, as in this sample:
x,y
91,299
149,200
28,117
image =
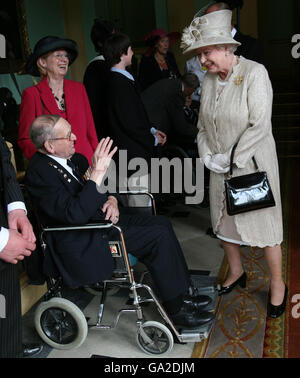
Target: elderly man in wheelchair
x,y
55,181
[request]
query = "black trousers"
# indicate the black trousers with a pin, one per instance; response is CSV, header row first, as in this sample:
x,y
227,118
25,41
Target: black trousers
x,y
11,324
153,241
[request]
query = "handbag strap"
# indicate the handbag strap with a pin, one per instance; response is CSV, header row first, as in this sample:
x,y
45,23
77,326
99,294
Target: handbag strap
x,y
232,156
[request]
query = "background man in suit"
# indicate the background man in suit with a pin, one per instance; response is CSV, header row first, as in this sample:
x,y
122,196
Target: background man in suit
x,y
84,257
165,101
96,75
17,240
250,47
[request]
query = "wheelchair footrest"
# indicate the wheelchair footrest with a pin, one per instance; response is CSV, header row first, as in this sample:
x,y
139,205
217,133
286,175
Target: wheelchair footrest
x,y
196,334
203,282
206,285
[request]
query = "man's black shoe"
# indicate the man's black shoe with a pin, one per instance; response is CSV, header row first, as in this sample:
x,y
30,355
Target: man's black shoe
x,y
30,350
197,302
191,319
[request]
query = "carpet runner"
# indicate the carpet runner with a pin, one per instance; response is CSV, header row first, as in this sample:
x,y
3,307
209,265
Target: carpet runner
x,y
282,336
241,329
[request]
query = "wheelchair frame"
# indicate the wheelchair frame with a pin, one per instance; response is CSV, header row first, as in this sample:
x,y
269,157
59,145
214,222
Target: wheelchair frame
x,y
152,337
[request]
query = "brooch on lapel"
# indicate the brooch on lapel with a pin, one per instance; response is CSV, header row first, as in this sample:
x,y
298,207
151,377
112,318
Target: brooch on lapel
x,y
238,80
65,176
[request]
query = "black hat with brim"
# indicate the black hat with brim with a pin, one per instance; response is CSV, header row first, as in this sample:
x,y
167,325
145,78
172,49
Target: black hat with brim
x,y
46,45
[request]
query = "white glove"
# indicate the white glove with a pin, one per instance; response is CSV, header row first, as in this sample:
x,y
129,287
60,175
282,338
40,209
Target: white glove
x,y
221,159
211,165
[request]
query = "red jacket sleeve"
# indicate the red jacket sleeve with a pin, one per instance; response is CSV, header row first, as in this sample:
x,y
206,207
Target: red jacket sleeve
x,y
28,113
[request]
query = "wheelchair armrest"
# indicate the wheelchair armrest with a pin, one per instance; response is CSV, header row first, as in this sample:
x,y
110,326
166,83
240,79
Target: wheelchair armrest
x,y
138,191
88,226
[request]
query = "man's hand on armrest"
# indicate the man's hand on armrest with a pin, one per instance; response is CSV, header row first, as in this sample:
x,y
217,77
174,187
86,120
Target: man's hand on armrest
x,y
111,210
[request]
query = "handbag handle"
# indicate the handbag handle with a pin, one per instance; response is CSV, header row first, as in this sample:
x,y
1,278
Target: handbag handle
x,y
232,156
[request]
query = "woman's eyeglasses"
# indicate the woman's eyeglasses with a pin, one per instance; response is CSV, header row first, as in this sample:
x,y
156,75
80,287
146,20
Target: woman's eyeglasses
x,y
62,56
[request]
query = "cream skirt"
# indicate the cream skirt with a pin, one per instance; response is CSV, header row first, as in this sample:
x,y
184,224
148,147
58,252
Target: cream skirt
x,y
227,229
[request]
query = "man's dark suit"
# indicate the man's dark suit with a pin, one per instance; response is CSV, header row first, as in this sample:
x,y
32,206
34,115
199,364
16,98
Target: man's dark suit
x,y
164,101
10,327
83,257
128,120
95,82
250,47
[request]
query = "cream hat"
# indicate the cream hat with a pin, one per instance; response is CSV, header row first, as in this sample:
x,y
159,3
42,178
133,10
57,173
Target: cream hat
x,y
211,29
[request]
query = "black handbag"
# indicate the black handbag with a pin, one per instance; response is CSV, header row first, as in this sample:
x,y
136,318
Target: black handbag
x,y
247,192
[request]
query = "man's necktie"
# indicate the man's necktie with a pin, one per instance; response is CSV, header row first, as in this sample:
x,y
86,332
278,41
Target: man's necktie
x,y
75,171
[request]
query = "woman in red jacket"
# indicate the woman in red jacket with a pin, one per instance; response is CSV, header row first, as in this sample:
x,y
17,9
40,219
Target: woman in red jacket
x,y
56,95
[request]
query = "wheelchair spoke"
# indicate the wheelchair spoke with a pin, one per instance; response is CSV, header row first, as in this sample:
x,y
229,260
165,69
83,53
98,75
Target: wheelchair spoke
x,y
155,340
59,325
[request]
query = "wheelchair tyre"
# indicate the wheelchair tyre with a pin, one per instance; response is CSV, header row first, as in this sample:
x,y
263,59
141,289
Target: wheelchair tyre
x,y
154,338
61,324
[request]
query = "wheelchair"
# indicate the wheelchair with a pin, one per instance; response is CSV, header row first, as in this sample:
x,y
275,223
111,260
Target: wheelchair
x,y
62,325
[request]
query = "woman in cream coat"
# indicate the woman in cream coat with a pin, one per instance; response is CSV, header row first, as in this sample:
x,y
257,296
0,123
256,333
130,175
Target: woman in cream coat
x,y
236,106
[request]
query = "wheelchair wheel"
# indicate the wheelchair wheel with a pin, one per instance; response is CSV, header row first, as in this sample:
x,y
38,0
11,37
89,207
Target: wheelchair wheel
x,y
154,338
60,323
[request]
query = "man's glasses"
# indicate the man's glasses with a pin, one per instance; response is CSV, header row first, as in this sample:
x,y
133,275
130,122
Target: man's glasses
x,y
68,137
